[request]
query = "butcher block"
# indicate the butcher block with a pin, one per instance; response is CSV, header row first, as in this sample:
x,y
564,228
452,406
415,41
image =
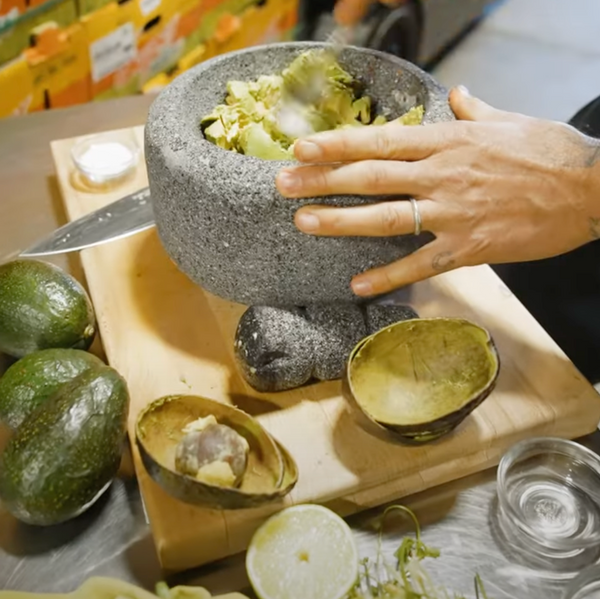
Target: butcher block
x,y
167,336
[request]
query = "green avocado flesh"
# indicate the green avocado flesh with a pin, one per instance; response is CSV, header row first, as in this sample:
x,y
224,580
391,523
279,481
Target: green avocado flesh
x,y
62,457
41,306
250,120
32,380
419,371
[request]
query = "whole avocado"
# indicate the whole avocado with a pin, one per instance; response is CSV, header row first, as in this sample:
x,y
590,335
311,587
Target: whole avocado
x,y
32,380
62,458
41,307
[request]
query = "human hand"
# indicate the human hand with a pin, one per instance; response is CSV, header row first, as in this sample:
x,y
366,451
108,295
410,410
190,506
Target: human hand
x,y
350,12
492,187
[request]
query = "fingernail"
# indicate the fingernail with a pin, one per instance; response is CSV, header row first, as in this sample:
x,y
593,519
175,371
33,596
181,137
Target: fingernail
x,y
287,181
307,150
362,288
307,222
463,90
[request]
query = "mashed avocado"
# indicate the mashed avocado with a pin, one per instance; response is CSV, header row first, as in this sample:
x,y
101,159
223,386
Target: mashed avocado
x,y
251,121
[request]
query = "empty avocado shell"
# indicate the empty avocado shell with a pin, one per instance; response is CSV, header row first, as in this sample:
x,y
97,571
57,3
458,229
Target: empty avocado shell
x,y
417,380
264,471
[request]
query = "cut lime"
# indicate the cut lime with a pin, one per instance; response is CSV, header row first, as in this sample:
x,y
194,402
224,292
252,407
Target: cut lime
x,y
303,552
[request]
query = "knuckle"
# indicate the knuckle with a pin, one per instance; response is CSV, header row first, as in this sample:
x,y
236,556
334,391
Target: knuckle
x,y
391,220
321,181
385,141
376,175
459,178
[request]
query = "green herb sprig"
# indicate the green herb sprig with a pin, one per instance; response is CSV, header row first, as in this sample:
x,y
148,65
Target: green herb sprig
x,y
407,578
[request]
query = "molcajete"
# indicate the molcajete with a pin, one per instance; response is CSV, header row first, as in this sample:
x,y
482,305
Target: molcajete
x,y
218,213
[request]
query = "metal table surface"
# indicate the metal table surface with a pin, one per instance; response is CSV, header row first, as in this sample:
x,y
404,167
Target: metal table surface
x,y
113,538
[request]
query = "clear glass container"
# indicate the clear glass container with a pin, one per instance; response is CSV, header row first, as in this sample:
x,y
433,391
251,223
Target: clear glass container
x,y
584,586
106,157
549,496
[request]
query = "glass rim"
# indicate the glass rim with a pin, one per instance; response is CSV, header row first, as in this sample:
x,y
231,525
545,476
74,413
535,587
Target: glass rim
x,y
552,445
578,583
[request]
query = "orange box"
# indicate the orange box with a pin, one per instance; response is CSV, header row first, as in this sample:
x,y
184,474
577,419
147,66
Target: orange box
x,y
164,39
159,47
59,66
112,39
274,21
16,88
15,38
10,10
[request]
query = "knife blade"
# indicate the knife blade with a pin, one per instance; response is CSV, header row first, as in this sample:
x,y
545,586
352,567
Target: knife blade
x,y
122,218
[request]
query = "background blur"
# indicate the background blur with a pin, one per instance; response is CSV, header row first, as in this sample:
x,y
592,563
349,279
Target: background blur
x,y
541,57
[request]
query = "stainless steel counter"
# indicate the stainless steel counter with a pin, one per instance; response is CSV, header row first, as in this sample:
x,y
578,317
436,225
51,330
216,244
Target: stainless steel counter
x,y
113,539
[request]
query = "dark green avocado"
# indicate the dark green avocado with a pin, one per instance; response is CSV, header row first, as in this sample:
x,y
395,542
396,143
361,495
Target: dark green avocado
x,y
32,380
64,456
41,307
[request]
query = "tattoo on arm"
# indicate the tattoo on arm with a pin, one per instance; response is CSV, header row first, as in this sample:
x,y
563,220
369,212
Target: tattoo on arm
x,y
594,157
444,260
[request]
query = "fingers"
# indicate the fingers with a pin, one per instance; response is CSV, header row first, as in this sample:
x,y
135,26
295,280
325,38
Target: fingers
x,y
375,220
430,260
369,177
469,108
384,142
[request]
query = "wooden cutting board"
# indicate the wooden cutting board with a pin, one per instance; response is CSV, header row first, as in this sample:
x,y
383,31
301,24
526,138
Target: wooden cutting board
x,y
166,335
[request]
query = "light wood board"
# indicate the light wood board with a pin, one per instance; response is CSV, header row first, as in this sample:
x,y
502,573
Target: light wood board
x,y
166,335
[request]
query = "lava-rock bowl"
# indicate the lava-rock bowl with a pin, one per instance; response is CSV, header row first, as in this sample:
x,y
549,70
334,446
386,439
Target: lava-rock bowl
x,y
219,215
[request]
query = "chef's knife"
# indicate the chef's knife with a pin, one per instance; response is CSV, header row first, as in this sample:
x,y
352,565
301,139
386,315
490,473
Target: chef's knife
x,y
117,220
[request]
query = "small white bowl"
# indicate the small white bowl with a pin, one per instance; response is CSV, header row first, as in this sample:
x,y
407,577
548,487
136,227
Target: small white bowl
x,y
105,157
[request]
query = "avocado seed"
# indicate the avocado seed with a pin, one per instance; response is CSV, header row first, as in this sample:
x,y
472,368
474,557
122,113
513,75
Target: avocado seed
x,y
212,453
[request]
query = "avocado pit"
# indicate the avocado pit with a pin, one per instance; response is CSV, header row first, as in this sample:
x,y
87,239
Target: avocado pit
x,y
212,453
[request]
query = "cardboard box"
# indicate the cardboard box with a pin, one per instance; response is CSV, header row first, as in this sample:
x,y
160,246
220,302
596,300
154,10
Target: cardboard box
x,y
274,21
214,10
86,7
16,89
14,38
112,38
159,44
186,62
60,67
10,11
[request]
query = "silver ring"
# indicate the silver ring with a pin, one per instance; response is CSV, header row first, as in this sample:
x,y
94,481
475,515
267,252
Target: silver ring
x,y
416,216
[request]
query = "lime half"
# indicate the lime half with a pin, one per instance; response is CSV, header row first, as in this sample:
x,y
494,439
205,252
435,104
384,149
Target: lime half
x,y
303,552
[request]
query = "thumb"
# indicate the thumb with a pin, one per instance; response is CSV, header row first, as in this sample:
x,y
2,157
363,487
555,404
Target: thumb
x,y
469,108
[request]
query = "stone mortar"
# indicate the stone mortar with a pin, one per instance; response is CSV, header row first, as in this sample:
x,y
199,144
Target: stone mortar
x,y
278,348
219,214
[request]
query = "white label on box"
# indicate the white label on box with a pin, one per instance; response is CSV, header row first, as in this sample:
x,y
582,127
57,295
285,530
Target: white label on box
x,y
148,6
113,51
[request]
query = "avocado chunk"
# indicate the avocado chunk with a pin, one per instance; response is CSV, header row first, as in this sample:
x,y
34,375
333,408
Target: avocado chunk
x,y
63,457
32,380
41,307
